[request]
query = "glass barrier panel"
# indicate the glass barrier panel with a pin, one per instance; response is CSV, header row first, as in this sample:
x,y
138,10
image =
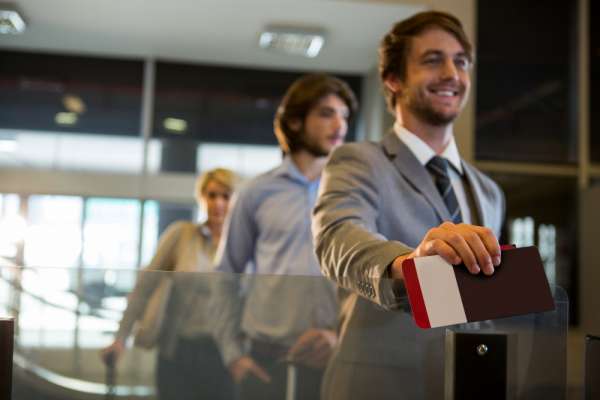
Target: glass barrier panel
x,y
90,344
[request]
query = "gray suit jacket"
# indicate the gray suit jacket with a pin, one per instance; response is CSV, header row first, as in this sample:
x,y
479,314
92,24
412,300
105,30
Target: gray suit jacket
x,y
377,202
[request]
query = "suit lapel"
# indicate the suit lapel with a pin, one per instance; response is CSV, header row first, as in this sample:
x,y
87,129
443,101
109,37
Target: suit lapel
x,y
484,209
412,170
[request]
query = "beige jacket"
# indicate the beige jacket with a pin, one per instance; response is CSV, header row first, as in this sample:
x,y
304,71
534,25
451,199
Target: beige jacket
x,y
187,249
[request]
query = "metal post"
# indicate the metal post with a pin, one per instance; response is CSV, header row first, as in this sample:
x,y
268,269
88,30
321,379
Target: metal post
x,y
146,120
292,379
77,364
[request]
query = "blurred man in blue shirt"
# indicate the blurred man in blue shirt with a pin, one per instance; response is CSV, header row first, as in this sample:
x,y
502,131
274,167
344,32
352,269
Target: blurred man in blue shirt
x,y
288,313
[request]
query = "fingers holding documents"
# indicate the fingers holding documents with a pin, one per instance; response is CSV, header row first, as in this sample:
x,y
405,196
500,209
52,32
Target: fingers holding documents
x,y
475,246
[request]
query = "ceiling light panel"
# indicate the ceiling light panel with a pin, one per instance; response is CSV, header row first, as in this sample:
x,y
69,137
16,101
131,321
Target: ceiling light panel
x,y
306,42
11,22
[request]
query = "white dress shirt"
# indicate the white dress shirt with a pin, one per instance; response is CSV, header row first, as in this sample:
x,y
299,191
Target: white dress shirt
x,y
424,153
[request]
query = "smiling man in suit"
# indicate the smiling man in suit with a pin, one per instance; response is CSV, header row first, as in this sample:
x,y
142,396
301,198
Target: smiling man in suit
x,y
407,196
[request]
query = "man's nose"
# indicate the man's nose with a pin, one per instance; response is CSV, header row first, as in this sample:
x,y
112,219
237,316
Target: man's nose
x,y
449,70
339,124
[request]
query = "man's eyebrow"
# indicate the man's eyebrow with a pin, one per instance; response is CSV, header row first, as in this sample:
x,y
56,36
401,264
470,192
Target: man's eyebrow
x,y
325,107
432,52
436,52
328,108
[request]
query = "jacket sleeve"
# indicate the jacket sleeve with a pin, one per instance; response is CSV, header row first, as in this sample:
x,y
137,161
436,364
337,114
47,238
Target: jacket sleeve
x,y
349,248
164,259
236,250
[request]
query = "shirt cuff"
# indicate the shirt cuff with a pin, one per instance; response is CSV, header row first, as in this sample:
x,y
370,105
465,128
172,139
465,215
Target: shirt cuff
x,y
391,293
233,352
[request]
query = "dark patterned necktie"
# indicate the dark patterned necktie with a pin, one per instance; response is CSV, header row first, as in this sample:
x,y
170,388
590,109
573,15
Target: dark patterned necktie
x,y
438,166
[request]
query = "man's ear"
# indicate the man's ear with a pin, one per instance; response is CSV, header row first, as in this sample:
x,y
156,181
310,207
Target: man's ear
x,y
295,124
393,84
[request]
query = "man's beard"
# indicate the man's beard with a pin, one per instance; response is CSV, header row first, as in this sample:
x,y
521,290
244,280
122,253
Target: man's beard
x,y
428,114
424,110
312,147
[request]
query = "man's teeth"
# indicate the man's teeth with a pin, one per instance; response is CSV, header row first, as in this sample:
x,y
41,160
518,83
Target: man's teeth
x,y
446,93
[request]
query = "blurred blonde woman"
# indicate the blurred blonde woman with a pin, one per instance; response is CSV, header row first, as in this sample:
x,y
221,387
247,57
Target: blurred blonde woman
x,y
188,364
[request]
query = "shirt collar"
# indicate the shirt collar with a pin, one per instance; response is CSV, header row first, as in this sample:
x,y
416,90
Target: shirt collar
x,y
423,152
289,169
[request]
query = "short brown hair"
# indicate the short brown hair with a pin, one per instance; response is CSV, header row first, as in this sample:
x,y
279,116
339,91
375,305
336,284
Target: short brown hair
x,y
222,176
301,96
396,44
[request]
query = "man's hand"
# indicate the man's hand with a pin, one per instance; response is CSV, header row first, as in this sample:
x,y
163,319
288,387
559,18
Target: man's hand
x,y
313,348
245,365
475,246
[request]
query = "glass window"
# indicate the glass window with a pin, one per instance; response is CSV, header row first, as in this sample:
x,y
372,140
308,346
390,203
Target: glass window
x,y
150,230
212,107
12,226
67,112
154,156
51,236
59,93
222,104
191,156
522,232
526,98
53,248
110,251
54,231
171,155
245,160
111,233
547,247
80,152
